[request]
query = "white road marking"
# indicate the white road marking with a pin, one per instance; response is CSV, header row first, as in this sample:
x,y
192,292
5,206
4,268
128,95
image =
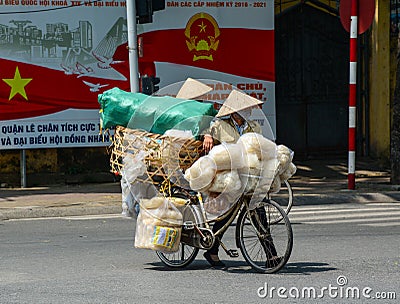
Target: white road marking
x,y
72,217
370,215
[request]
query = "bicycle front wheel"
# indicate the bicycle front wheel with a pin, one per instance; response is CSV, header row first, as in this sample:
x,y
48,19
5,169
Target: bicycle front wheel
x,y
186,253
265,242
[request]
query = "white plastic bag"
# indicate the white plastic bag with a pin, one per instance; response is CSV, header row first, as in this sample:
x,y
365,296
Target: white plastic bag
x,y
159,225
133,166
127,198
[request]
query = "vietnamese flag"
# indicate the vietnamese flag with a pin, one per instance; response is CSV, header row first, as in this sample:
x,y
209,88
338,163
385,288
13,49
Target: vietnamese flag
x,y
28,90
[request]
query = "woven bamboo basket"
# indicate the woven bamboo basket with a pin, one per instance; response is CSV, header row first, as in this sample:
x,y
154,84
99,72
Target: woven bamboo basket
x,y
165,156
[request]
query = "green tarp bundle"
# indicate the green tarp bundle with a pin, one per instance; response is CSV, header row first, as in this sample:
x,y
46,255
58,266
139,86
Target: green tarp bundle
x,y
118,106
155,114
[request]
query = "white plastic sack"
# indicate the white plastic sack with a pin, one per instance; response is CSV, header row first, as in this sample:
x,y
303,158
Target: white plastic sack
x,y
216,206
127,198
201,173
227,156
226,181
254,143
285,157
179,133
276,185
259,179
289,172
286,168
133,166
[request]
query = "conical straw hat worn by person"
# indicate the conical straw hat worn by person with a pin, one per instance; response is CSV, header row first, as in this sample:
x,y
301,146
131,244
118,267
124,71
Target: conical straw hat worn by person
x,y
236,102
191,89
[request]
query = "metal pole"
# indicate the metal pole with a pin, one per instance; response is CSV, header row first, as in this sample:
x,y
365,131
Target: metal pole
x,y
352,94
132,45
23,168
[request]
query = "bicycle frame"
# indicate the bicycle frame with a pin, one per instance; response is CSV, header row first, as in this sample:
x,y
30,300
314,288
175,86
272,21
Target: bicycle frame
x,y
167,188
232,213
236,209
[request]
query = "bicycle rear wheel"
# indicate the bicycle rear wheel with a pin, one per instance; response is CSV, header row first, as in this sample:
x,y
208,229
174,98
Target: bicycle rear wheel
x,y
186,253
266,244
180,259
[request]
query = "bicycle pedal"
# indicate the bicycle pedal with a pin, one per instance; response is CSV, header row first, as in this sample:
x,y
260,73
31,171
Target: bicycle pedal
x,y
188,225
233,253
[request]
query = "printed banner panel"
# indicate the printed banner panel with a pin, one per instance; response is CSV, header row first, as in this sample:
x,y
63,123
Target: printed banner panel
x,y
68,129
227,41
57,56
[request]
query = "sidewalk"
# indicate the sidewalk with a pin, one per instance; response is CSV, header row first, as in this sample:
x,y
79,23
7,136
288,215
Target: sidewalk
x,y
55,201
325,182
316,182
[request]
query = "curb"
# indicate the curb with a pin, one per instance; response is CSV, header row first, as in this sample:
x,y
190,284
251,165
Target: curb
x,y
346,198
72,210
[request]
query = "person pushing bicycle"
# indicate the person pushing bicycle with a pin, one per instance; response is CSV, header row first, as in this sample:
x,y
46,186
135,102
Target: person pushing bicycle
x,y
232,121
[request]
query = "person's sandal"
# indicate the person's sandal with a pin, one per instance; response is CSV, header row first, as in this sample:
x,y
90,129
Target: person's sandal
x,y
272,262
212,262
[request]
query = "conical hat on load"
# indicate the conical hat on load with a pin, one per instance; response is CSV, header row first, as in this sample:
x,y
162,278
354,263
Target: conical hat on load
x,y
192,88
236,102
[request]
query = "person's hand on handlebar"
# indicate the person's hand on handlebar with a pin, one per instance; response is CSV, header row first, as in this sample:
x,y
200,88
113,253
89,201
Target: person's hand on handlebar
x,y
208,143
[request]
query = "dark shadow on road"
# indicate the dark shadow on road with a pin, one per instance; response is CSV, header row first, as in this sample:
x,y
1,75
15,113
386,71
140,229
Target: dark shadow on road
x,y
301,268
231,266
307,268
195,265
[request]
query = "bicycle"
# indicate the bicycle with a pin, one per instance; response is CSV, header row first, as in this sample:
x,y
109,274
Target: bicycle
x,y
261,232
258,232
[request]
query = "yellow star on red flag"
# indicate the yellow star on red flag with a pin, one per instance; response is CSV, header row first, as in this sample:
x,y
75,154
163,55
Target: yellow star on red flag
x,y
17,85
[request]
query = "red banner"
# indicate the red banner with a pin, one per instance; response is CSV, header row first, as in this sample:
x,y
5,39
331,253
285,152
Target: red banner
x,y
28,90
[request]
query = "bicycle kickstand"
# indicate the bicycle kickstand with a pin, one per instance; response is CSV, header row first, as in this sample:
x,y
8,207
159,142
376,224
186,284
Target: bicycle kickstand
x,y
233,253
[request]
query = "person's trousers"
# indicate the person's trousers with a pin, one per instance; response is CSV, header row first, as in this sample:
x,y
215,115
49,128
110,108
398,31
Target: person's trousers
x,y
268,243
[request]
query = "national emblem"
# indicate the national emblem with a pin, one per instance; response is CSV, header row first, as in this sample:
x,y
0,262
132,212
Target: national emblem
x,y
202,31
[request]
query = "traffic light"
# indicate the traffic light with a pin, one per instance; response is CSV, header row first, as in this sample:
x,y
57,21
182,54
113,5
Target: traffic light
x,y
145,9
155,81
149,84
